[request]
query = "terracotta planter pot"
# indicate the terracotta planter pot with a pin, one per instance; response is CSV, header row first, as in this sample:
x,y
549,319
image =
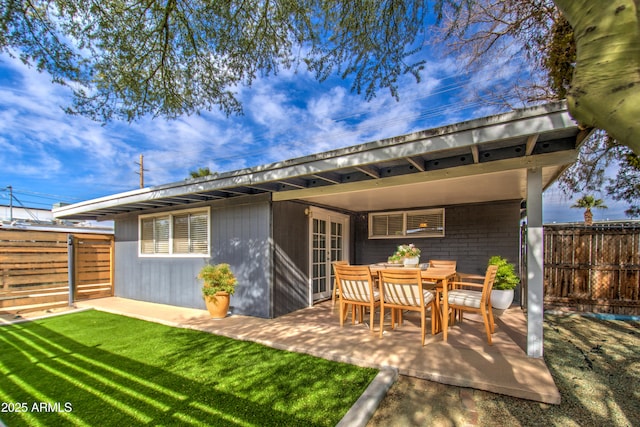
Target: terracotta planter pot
x,y
218,305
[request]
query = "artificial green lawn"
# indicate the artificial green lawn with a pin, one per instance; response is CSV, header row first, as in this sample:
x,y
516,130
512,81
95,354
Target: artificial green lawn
x,y
98,369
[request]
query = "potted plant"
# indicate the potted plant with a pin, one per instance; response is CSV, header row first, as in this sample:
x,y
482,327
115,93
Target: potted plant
x,y
219,283
504,284
408,255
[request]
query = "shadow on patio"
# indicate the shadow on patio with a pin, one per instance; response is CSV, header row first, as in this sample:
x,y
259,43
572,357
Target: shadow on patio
x,y
465,360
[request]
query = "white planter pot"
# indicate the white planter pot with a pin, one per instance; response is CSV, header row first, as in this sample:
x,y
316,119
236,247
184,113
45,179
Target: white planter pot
x,y
501,299
411,262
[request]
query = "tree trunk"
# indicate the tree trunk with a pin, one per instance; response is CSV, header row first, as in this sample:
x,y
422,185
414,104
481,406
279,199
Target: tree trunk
x,y
588,217
605,89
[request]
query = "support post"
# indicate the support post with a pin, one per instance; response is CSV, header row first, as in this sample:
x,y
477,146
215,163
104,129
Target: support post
x,y
535,259
71,268
10,203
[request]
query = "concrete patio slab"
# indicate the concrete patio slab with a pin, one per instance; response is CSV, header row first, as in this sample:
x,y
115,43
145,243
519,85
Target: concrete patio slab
x,y
465,360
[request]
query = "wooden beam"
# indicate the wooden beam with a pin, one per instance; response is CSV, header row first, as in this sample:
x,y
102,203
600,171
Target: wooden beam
x,y
267,187
531,144
475,154
418,164
369,170
524,162
295,182
332,178
190,198
232,191
583,135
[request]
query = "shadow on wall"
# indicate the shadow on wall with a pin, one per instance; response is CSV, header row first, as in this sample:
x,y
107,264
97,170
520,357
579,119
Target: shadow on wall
x,y
250,262
291,284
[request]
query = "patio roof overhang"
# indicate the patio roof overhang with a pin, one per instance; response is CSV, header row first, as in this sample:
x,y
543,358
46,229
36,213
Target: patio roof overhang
x,y
475,161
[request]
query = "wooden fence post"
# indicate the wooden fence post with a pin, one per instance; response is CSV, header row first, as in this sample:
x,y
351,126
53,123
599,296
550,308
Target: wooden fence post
x,y
71,264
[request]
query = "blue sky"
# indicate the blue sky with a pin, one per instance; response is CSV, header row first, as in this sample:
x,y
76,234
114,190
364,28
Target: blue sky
x,y
48,156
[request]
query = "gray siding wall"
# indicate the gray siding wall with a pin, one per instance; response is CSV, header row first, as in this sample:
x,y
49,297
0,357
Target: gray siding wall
x,y
291,257
240,236
473,234
273,272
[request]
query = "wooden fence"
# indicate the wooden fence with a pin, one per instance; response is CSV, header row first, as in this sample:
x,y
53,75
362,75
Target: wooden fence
x,y
35,265
93,266
593,268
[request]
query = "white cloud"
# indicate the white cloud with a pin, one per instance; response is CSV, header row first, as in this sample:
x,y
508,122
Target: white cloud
x,y
327,107
286,116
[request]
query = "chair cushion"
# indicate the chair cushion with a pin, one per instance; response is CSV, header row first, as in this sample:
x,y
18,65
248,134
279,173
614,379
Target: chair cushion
x,y
465,298
358,290
362,298
403,299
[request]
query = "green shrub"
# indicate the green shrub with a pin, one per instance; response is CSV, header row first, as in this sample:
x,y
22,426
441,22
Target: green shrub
x,y
506,277
217,278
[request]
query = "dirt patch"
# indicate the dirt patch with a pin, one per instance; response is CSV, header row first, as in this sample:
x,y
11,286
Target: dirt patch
x,y
595,364
416,402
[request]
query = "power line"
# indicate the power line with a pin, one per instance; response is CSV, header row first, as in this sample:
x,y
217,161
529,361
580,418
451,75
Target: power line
x,y
44,195
13,197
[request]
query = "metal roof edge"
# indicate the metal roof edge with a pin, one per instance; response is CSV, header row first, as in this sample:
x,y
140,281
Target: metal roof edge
x,y
58,228
105,199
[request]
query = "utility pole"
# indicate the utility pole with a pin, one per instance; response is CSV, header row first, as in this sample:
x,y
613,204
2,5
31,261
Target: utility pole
x,y
142,169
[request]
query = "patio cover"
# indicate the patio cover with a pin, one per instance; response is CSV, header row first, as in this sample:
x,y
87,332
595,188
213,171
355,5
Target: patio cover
x,y
508,156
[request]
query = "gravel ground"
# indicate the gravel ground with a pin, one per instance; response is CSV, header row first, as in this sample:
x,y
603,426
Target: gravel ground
x,y
595,364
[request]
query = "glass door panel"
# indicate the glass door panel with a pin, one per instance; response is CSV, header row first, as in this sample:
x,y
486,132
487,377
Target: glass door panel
x,y
327,245
319,254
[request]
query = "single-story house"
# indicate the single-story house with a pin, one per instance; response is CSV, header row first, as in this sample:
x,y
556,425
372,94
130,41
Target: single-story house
x,y
456,192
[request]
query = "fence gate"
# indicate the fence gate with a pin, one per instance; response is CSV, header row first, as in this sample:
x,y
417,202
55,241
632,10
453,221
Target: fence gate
x,y
37,267
92,266
33,270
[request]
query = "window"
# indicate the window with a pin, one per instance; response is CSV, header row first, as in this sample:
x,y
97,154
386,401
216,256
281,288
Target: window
x,y
422,223
177,233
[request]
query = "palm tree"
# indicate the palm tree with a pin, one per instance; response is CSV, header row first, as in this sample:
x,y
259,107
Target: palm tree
x,y
586,203
200,172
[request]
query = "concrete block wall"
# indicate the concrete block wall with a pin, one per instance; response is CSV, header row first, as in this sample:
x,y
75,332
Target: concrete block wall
x,y
473,233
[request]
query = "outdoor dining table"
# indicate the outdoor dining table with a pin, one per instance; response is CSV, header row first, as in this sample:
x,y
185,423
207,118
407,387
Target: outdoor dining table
x,y
440,277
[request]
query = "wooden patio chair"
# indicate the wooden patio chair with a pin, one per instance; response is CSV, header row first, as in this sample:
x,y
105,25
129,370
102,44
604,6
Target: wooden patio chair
x,y
335,282
402,289
356,289
441,263
476,300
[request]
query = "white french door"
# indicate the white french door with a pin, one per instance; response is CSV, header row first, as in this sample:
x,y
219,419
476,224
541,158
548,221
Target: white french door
x,y
329,240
